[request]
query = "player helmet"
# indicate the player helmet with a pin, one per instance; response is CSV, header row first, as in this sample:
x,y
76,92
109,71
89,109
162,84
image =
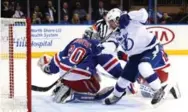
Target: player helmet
x,y
113,14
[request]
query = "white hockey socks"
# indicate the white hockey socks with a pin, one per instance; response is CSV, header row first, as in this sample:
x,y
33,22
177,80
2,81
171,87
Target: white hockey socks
x,y
150,76
120,86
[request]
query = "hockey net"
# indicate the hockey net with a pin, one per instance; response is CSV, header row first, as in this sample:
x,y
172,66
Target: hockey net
x,y
15,65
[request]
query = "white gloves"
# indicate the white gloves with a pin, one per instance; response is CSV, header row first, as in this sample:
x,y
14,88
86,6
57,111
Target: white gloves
x,y
44,61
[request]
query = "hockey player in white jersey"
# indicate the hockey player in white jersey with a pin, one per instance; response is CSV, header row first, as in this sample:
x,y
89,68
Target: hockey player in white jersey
x,y
106,35
161,69
101,32
144,51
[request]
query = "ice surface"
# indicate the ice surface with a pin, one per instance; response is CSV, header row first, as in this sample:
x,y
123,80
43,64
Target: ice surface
x,y
41,101
178,71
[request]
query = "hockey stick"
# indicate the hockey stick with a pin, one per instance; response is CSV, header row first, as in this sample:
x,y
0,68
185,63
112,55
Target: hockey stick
x,y
106,75
44,89
104,40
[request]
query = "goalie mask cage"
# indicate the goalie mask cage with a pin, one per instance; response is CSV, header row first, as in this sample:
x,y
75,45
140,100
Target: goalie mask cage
x,y
15,65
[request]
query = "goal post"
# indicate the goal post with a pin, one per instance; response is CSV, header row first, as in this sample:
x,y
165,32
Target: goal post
x,y
15,65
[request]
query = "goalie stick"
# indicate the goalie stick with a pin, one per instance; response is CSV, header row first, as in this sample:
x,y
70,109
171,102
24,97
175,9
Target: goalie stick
x,y
44,89
106,75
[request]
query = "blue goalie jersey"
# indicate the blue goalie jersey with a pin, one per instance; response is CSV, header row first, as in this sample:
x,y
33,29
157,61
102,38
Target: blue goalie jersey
x,y
80,52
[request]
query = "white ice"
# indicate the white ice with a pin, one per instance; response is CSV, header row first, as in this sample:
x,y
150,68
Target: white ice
x,y
42,102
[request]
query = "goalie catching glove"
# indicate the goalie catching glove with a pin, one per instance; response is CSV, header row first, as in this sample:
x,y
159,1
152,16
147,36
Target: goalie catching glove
x,y
43,63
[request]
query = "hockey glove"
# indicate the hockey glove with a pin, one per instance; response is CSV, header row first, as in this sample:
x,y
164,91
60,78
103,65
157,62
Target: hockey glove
x,y
122,56
43,63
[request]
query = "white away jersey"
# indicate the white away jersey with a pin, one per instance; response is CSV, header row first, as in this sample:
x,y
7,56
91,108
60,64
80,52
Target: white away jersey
x,y
134,37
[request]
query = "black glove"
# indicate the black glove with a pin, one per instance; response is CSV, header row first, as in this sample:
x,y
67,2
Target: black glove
x,y
122,56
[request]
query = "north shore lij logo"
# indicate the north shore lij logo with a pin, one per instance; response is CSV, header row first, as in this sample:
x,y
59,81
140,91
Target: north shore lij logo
x,y
21,42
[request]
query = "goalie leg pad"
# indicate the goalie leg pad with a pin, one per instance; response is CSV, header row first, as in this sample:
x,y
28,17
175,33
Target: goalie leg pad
x,y
57,87
82,97
62,94
91,85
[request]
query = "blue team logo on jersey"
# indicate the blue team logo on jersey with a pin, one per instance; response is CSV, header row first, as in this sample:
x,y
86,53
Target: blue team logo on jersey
x,y
130,44
127,43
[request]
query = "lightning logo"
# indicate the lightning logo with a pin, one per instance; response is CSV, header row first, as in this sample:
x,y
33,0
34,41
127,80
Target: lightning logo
x,y
155,52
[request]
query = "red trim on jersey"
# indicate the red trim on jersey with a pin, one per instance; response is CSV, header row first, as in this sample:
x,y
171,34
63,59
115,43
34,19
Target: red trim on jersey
x,y
45,60
114,61
76,71
163,67
124,57
57,60
67,68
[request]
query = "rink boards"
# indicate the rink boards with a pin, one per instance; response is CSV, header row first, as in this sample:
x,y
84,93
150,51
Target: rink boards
x,y
49,39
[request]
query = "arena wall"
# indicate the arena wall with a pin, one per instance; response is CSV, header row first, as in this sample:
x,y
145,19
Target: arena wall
x,y
49,39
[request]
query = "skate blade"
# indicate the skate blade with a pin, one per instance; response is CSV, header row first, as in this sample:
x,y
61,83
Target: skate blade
x,y
104,103
158,104
177,89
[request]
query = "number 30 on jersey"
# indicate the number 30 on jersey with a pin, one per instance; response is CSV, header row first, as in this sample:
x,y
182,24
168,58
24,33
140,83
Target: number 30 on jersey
x,y
76,54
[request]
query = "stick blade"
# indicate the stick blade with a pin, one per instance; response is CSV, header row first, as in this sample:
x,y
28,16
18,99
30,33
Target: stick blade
x,y
41,89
